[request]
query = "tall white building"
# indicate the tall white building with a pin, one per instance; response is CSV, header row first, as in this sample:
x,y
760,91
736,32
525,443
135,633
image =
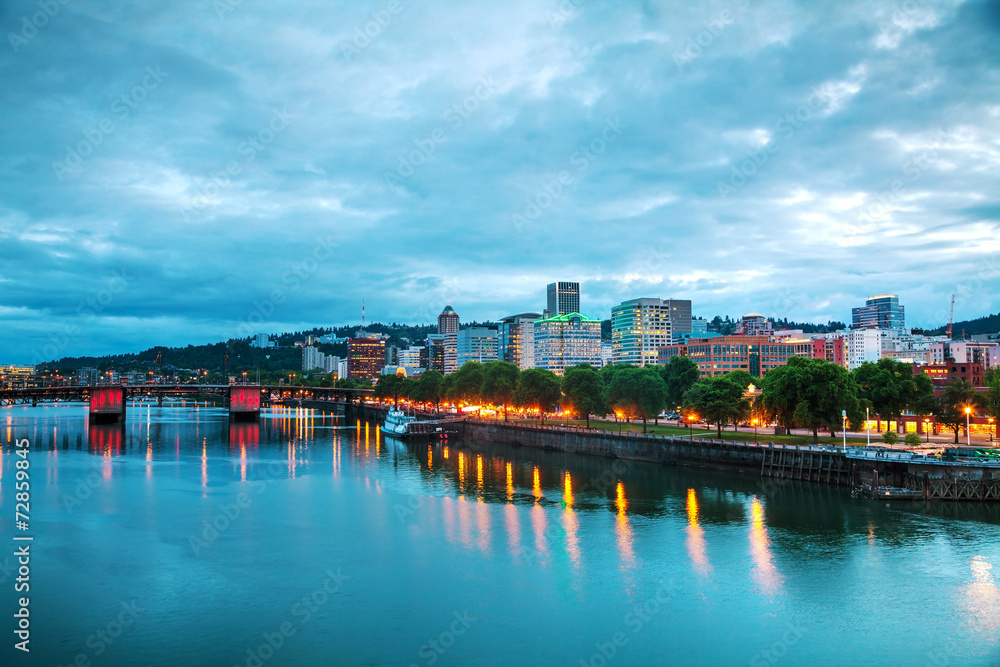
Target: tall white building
x,y
860,346
640,327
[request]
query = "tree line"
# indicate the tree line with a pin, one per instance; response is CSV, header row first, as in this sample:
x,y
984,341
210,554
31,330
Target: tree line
x,y
805,393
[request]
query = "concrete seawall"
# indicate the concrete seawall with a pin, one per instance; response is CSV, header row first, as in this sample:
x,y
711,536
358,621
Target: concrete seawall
x,y
824,464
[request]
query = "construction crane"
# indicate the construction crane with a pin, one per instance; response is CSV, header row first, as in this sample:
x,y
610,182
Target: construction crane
x,y
951,317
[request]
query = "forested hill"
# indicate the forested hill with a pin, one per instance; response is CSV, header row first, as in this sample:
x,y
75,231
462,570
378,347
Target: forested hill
x,y
988,324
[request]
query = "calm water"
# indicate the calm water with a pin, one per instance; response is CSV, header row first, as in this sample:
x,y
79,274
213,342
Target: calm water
x,y
183,539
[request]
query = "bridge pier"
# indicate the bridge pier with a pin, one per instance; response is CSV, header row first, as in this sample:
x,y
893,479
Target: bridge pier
x,y
244,402
107,405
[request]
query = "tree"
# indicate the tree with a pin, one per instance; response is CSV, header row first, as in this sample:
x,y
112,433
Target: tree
x,y
466,384
889,386
718,399
429,388
500,383
810,393
911,440
992,380
539,389
638,392
890,437
584,390
679,374
957,396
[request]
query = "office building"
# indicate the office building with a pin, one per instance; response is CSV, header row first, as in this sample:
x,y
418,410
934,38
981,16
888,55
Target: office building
x,y
881,311
860,346
567,340
754,324
365,358
986,354
724,354
563,298
448,321
640,327
516,342
435,352
476,344
411,357
606,352
949,370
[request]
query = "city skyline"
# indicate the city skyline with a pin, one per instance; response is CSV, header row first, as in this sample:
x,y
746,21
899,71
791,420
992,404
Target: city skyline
x,y
746,156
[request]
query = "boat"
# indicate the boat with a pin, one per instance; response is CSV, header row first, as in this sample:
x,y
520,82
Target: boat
x,y
402,425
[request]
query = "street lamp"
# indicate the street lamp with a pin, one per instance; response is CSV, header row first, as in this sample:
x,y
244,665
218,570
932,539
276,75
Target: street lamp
x,y
927,433
991,429
868,428
244,377
968,436
755,430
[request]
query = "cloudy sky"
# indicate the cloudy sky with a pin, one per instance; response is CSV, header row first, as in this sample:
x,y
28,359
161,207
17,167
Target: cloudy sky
x,y
185,172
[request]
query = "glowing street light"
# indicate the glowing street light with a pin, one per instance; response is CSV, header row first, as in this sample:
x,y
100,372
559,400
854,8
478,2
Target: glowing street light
x,y
968,436
755,421
927,433
991,429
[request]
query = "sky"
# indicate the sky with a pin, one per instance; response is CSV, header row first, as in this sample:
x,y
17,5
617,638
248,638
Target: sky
x,y
189,172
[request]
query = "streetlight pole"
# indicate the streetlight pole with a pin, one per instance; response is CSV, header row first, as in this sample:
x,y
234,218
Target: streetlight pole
x,y
968,436
843,414
991,429
868,428
755,431
927,433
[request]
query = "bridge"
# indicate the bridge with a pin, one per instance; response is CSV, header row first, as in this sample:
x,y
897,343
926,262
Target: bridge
x,y
108,402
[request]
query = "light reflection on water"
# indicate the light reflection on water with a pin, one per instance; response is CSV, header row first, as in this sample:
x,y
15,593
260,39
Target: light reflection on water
x,y
531,538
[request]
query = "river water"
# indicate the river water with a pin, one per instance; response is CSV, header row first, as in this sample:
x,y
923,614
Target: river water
x,y
303,540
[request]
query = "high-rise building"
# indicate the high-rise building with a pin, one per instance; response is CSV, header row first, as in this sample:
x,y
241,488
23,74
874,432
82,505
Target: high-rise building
x,y
567,340
312,358
476,344
517,340
640,327
563,298
881,311
365,358
448,321
754,324
860,346
435,352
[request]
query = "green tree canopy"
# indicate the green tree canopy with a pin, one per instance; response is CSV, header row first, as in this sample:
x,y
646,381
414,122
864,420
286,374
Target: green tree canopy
x,y
810,393
466,384
718,400
889,387
584,389
638,392
539,389
429,388
958,395
500,383
679,374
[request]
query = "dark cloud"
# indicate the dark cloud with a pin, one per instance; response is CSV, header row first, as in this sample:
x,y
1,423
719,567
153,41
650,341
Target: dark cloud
x,y
782,157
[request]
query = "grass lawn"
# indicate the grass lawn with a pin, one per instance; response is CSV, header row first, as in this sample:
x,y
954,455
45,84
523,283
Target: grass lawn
x,y
700,432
